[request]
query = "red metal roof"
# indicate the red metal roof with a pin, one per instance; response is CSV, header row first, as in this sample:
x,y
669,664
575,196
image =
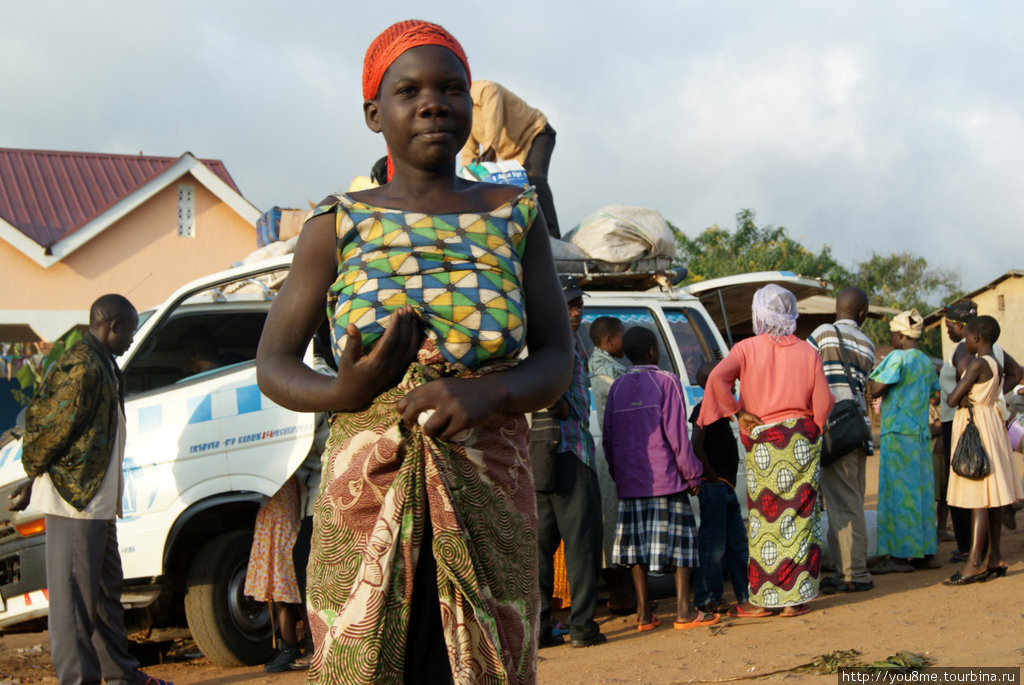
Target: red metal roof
x,y
49,194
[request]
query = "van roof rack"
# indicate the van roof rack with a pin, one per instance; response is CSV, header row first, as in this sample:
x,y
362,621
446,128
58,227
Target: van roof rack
x,y
597,275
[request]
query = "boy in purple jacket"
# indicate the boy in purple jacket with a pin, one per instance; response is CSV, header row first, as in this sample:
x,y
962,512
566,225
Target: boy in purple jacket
x,y
653,465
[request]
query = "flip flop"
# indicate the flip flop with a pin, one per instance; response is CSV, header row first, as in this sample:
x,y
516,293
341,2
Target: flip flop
x,y
799,610
655,622
739,612
960,579
700,620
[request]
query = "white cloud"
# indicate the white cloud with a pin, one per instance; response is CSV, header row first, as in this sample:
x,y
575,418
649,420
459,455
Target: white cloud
x,y
868,126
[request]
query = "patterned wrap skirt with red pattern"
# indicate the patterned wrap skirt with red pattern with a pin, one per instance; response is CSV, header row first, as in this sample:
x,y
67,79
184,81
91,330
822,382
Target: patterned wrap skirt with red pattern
x,y
784,537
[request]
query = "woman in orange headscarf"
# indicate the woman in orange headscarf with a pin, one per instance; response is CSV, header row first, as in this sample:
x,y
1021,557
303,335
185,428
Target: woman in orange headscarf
x,y
424,560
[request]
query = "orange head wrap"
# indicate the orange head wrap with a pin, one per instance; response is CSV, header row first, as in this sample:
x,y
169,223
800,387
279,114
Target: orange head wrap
x,y
395,40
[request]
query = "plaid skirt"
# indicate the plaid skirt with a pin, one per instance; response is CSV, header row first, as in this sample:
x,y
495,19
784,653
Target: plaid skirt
x,y
659,532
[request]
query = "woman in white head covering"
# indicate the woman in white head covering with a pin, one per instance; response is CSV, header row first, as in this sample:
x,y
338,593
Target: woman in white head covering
x,y
905,380
783,406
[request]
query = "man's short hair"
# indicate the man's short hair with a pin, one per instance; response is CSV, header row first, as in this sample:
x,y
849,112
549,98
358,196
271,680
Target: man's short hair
x,y
112,307
986,327
637,342
604,327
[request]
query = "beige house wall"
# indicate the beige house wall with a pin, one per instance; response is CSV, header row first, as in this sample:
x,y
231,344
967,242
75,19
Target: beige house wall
x,y
141,256
1005,302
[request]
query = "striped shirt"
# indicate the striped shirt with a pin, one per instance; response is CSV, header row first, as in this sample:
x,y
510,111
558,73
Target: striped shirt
x,y
576,437
860,356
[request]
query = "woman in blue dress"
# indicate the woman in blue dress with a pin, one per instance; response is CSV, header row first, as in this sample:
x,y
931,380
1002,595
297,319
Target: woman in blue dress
x,y
905,380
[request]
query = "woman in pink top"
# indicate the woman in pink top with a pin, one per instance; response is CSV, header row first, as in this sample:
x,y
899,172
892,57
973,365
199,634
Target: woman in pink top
x,y
784,403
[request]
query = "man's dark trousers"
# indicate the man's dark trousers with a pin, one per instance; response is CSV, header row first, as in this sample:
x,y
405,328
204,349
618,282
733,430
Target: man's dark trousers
x,y
84,580
572,513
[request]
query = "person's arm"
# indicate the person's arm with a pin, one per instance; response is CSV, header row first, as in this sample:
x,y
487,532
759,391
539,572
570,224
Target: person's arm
x,y
607,434
673,422
294,317
535,383
697,440
822,398
1012,373
885,375
961,358
976,371
65,403
490,122
718,398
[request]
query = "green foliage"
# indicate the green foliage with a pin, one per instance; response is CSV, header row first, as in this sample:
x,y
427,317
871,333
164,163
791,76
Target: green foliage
x,y
31,374
718,252
903,281
899,280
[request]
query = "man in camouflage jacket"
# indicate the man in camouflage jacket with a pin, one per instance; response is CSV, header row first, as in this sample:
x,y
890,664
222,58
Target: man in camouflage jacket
x,y
73,451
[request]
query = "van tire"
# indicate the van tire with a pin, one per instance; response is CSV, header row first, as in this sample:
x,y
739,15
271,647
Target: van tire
x,y
228,628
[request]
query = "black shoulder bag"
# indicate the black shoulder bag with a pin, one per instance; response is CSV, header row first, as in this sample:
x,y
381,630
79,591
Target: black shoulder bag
x,y
845,429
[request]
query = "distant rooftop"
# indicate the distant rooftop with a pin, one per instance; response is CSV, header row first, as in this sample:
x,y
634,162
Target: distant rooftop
x,y
49,194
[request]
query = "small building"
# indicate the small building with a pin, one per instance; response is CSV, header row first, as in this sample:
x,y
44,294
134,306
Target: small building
x,y
1003,299
77,225
74,226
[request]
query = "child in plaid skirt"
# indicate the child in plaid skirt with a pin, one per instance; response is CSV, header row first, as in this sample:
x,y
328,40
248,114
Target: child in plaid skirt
x,y
653,465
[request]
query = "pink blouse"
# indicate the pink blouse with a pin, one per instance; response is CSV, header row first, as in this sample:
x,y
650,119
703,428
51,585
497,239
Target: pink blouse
x,y
781,379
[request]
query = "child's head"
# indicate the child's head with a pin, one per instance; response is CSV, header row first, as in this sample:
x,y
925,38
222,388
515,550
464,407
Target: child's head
x,y
606,333
981,329
641,345
705,371
416,92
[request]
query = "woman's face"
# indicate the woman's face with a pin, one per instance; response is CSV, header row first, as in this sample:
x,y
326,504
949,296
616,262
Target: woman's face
x,y
423,108
954,330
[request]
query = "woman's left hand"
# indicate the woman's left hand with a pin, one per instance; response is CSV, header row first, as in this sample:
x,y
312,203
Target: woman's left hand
x,y
458,404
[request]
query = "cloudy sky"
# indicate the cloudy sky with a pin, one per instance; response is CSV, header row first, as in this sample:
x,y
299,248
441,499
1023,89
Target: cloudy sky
x,y
867,126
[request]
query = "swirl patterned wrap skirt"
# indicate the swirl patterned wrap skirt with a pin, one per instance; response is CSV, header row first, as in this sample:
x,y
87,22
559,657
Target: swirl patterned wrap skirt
x,y
784,537
383,485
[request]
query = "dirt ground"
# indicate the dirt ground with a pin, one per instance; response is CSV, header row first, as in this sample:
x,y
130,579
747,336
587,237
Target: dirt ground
x,y
975,625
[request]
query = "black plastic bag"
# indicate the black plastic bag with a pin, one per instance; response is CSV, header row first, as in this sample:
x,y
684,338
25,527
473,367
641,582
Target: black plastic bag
x,y
969,458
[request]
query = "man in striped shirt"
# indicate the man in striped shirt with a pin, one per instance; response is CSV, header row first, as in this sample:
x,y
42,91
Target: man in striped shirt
x,y
843,481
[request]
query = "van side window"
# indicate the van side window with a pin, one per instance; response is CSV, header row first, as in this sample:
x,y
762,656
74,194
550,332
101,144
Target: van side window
x,y
630,316
233,335
693,338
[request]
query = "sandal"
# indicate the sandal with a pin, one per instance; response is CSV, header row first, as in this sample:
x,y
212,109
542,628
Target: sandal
x,y
960,579
798,610
739,612
643,627
700,620
997,571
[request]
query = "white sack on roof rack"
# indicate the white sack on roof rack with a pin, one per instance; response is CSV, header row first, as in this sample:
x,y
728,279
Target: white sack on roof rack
x,y
620,234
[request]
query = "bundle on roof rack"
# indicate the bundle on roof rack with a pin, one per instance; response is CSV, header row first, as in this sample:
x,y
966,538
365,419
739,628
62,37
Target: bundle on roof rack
x,y
619,246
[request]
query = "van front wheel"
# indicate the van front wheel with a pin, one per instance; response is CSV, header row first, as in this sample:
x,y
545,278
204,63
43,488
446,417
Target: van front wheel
x,y
229,628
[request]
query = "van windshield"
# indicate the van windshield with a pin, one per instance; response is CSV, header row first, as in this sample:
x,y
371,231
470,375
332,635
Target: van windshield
x,y
693,338
629,316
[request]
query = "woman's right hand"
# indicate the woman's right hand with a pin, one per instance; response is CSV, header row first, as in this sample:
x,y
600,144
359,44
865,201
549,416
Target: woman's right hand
x,y
748,422
361,377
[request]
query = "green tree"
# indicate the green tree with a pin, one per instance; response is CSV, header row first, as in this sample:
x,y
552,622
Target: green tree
x,y
903,281
899,280
718,252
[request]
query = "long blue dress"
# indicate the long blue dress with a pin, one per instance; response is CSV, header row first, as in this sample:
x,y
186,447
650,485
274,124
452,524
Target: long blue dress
x,y
906,485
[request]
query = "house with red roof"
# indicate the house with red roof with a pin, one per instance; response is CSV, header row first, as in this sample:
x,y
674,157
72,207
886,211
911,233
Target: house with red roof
x,y
77,225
